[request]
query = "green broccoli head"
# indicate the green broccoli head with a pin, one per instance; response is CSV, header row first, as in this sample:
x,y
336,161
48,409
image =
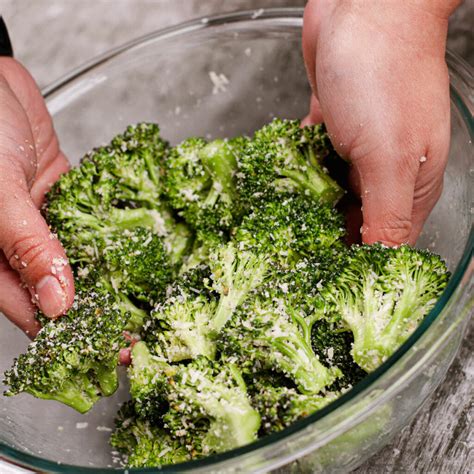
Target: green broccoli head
x,y
197,306
209,408
134,267
100,280
137,263
203,403
282,156
135,160
235,273
382,295
200,183
291,228
148,375
332,343
268,333
74,358
180,327
144,444
279,406
116,187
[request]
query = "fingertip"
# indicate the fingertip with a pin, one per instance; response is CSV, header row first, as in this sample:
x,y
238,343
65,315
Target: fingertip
x,y
50,296
306,121
54,292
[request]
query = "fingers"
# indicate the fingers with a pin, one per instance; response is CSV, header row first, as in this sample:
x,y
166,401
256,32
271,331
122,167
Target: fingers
x,y
15,300
429,183
423,205
387,191
310,33
313,14
30,161
47,177
32,250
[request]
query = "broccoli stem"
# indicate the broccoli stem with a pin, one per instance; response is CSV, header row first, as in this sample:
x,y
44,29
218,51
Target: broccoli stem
x,y
237,376
225,309
141,357
300,361
149,160
238,279
108,378
177,243
315,180
78,393
83,219
137,315
131,218
219,160
212,197
406,312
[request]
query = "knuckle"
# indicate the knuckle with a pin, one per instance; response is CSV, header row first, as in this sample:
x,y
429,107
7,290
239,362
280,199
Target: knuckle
x,y
392,232
25,253
427,194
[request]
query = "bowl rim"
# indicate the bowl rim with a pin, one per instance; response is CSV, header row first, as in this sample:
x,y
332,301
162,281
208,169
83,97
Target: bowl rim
x,y
463,269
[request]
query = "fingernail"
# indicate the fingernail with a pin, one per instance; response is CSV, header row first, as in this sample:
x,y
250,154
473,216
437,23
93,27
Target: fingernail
x,y
51,297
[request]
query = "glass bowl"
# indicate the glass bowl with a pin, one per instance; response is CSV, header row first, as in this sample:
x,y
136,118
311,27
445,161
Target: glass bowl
x,y
224,76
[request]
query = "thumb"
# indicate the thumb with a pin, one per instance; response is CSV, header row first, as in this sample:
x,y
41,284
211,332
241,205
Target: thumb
x,y
34,252
387,190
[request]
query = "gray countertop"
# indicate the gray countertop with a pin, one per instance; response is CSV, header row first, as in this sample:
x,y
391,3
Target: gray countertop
x,y
53,36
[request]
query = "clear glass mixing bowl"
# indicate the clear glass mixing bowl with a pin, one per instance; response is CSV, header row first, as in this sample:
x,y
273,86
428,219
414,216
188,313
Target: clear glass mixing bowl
x,y
223,76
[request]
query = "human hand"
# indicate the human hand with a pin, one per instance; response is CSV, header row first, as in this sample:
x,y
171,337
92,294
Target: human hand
x,y
380,82
33,266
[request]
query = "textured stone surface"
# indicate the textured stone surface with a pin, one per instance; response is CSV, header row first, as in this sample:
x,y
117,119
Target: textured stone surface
x,y
53,36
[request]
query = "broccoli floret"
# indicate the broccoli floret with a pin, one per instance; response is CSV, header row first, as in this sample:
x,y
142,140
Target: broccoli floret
x,y
187,323
291,228
280,406
267,333
282,156
382,295
332,343
200,183
148,382
137,263
235,274
208,406
74,358
180,327
116,187
144,444
133,267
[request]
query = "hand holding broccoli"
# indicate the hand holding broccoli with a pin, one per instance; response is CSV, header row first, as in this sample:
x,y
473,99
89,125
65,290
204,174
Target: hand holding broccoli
x,y
33,265
380,82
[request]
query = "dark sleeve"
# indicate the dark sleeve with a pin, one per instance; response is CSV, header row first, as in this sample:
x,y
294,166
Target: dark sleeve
x,y
5,43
